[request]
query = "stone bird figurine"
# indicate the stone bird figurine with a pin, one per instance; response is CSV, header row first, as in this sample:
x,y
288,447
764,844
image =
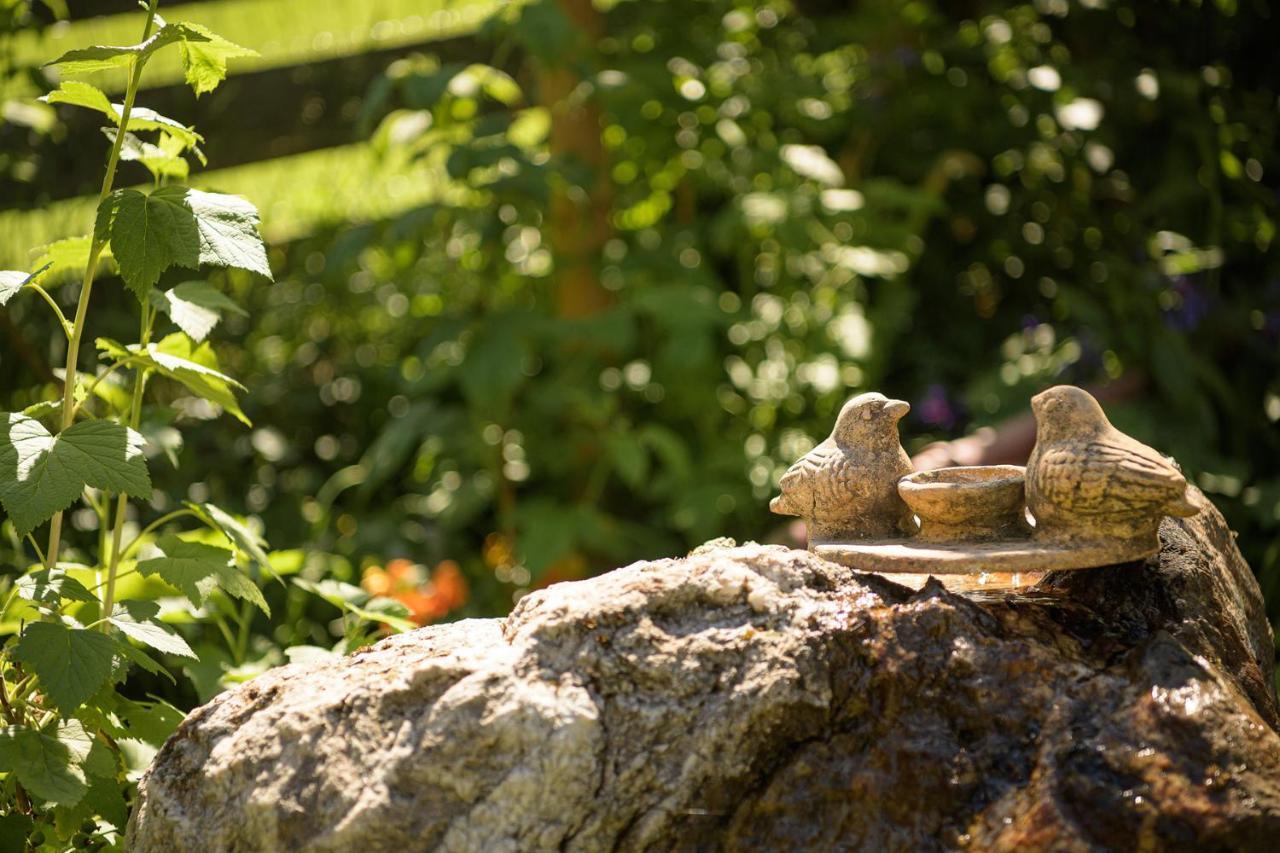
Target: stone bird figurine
x,y
1086,480
847,486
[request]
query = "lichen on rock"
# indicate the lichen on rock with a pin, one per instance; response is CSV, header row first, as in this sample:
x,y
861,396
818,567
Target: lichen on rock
x,y
758,697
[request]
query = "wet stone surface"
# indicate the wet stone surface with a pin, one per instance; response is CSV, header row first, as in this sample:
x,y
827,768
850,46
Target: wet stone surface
x,y
762,698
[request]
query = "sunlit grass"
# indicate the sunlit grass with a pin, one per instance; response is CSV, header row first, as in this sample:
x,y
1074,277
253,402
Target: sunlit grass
x,y
295,195
283,32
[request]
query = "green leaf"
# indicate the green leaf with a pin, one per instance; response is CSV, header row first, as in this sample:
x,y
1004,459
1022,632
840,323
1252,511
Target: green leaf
x,y
179,226
175,359
197,569
77,93
88,60
241,536
192,567
147,237
195,306
164,160
205,62
237,584
137,620
141,118
71,663
52,587
129,652
150,722
41,474
87,751
69,255
228,229
11,282
352,599
42,764
81,94
15,829
336,592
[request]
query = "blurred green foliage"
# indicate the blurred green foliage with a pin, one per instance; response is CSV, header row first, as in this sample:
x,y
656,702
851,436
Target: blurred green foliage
x,y
686,232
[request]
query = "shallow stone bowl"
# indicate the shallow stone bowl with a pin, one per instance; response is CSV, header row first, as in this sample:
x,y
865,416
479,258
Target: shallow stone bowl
x,y
968,504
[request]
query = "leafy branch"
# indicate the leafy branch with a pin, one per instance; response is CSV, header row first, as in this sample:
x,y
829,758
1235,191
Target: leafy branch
x,y
62,715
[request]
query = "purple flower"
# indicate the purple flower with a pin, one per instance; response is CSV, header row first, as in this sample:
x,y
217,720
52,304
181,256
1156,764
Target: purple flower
x,y
936,409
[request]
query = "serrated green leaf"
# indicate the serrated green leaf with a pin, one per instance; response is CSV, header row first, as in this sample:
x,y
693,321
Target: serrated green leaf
x,y
196,569
137,620
142,118
129,652
87,751
150,722
352,599
242,538
205,62
69,255
77,93
42,764
80,94
175,358
192,567
162,161
237,584
88,60
11,281
41,474
195,306
179,226
52,587
228,228
147,237
337,593
71,663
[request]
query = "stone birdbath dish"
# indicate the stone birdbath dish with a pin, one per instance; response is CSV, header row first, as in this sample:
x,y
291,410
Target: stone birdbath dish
x,y
968,504
1089,496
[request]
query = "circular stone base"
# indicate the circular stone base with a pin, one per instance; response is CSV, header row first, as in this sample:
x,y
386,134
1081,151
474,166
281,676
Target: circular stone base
x,y
907,556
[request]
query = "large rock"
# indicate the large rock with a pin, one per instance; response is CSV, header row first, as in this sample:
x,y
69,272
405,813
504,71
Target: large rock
x,y
761,698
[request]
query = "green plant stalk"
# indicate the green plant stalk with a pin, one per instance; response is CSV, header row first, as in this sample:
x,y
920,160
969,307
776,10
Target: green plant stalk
x,y
159,522
86,287
122,503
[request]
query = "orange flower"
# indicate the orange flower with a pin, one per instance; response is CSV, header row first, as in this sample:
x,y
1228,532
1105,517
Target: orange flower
x,y
445,592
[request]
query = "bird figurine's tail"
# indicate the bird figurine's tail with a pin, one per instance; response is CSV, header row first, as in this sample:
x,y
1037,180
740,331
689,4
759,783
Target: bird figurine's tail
x,y
1183,507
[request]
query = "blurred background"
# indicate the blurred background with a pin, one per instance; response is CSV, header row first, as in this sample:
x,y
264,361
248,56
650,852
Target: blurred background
x,y
563,285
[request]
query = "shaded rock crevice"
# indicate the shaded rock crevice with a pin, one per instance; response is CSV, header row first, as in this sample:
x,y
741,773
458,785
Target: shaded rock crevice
x,y
757,697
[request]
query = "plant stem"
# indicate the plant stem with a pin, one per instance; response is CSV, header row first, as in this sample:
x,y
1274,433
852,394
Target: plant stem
x,y
122,503
86,287
62,318
164,519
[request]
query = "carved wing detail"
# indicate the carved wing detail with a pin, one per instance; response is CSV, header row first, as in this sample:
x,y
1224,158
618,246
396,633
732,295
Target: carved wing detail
x,y
1107,477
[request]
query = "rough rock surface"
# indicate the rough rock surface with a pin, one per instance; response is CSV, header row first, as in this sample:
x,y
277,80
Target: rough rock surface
x,y
760,698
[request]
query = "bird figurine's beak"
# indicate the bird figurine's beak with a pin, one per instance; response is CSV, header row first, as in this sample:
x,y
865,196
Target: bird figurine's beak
x,y
897,409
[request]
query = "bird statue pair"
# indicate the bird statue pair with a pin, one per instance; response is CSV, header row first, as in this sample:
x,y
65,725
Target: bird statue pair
x,y
1085,482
